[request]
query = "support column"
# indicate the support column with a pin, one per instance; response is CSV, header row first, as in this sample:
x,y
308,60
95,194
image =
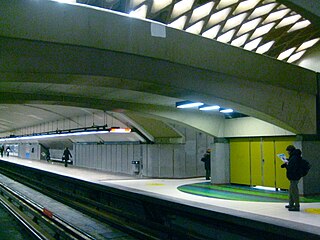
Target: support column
x,y
220,164
310,152
318,104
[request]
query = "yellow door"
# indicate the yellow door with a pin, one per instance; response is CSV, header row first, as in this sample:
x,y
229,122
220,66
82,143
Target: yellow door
x,y
268,174
239,161
256,162
280,147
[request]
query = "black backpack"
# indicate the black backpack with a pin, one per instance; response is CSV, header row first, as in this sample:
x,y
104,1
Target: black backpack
x,y
304,167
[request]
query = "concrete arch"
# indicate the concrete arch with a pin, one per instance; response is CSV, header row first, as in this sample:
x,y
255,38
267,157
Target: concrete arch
x,y
107,50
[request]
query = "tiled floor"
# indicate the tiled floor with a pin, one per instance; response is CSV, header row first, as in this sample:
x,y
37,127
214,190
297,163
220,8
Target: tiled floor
x,y
167,189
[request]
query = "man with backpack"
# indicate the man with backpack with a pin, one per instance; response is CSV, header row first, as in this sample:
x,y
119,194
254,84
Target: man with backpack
x,y
294,175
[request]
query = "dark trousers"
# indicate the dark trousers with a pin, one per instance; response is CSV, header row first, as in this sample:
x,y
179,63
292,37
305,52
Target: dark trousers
x,y
294,193
208,174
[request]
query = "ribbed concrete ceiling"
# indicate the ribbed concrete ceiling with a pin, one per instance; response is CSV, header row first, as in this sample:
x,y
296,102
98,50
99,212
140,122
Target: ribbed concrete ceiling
x,y
263,26
14,116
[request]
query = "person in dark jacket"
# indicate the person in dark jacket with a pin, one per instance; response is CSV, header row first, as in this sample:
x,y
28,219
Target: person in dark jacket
x,y
293,174
207,163
66,156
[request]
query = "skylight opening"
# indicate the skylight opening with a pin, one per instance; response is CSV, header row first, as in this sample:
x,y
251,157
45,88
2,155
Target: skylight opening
x,y
225,3
263,10
253,44
248,26
218,17
274,16
245,6
281,7
158,5
296,56
234,21
212,32
196,28
268,1
286,53
288,20
179,23
181,7
240,41
262,30
265,47
141,12
299,25
135,3
308,44
225,38
201,12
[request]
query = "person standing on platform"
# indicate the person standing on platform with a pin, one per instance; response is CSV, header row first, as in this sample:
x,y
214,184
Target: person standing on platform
x,y
8,150
66,156
47,154
293,174
1,150
207,163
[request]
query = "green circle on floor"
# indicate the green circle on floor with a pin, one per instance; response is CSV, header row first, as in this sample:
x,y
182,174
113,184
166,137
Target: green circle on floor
x,y
240,193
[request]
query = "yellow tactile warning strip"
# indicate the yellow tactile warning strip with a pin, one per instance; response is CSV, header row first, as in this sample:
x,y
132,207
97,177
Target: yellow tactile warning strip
x,y
312,210
155,184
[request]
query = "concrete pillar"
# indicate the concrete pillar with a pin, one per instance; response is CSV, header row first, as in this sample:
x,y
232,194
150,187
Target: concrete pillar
x,y
318,104
311,152
220,164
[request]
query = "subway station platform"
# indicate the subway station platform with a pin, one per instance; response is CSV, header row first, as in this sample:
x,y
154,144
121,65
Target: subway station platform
x,y
308,219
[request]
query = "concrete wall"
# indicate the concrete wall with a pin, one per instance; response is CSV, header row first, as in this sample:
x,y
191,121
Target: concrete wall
x,y
158,160
29,151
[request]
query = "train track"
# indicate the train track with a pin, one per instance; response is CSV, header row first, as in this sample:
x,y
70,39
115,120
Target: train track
x,y
38,221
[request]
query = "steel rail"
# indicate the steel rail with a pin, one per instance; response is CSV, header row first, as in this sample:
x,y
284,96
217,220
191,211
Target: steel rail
x,y
37,220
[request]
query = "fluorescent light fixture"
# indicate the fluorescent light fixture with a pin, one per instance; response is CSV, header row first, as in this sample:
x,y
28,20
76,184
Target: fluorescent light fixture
x,y
188,104
225,110
120,130
209,107
65,133
46,136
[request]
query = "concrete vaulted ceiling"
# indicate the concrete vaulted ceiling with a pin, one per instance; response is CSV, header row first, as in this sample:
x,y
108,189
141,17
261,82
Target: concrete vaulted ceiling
x,y
78,56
